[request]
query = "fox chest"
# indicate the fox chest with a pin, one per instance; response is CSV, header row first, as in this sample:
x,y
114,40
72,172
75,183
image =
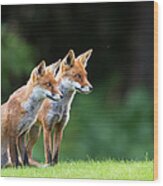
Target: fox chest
x,y
28,118
57,114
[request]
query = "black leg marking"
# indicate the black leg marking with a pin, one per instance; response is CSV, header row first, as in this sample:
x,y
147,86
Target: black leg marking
x,y
4,159
55,159
25,159
49,157
16,158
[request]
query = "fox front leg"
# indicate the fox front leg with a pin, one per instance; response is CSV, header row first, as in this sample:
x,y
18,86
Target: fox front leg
x,y
47,145
33,136
56,143
23,149
4,152
13,151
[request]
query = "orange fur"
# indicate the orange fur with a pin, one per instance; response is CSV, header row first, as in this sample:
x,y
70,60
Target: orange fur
x,y
13,111
73,69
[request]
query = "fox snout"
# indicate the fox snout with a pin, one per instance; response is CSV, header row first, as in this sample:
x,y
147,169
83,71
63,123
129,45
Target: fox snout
x,y
85,89
56,95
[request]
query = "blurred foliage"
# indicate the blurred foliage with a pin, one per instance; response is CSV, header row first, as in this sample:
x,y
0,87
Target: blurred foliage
x,y
116,119
17,61
100,129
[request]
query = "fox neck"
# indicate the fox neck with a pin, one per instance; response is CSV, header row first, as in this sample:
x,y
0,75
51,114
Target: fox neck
x,y
33,101
68,94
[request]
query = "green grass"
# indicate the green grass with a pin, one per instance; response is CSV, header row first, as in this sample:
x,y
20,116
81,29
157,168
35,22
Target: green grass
x,y
111,169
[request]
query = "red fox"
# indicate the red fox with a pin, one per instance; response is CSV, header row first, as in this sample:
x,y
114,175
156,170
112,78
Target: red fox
x,y
72,78
18,114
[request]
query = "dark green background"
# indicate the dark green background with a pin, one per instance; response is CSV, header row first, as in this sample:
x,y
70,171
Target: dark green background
x,y
116,119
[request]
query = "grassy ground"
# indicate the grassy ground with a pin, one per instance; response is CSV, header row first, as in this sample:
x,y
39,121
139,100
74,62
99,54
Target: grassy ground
x,y
120,170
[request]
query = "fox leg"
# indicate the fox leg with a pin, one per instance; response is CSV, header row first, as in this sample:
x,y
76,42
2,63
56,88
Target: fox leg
x,y
56,143
13,151
4,152
22,149
33,136
47,145
4,159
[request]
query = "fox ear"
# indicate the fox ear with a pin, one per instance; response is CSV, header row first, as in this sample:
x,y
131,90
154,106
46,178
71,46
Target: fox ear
x,y
54,67
69,59
40,69
83,58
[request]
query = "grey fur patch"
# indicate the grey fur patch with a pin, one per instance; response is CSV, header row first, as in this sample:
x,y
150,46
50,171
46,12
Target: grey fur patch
x,y
31,106
60,111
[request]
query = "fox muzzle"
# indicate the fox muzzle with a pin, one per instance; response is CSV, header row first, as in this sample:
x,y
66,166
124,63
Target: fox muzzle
x,y
85,89
55,97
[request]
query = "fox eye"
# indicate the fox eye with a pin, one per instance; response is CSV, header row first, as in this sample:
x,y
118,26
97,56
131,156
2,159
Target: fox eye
x,y
78,76
49,84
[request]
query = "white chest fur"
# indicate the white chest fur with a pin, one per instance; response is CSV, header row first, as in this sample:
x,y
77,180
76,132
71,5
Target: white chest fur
x,y
60,111
31,107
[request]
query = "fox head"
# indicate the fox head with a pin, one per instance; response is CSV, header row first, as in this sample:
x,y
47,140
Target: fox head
x,y
73,72
44,83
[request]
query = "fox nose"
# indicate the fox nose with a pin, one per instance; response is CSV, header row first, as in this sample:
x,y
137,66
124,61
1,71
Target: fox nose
x,y
57,96
91,88
57,91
